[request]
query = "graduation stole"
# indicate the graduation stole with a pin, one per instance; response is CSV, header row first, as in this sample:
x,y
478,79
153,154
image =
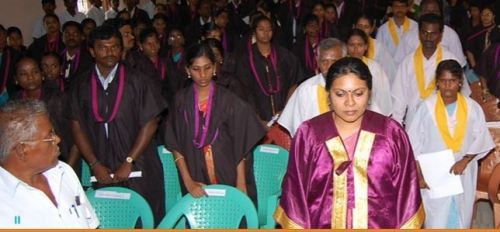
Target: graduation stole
x,y
311,63
119,95
160,66
392,29
52,46
322,95
452,142
75,62
371,48
419,71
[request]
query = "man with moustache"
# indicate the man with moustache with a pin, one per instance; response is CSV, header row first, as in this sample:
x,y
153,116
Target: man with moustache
x,y
414,80
114,115
75,57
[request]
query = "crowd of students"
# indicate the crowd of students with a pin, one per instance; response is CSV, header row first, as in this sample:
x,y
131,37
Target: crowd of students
x,y
208,78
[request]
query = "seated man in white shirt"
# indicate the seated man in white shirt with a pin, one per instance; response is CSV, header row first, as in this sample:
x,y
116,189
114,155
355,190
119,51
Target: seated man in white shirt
x,y
96,12
36,189
310,98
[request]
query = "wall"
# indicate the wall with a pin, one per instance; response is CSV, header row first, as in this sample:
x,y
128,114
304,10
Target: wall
x,y
23,14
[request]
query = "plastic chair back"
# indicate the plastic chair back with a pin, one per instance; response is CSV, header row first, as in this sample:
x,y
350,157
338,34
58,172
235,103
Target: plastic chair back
x,y
270,165
170,177
223,208
120,208
85,177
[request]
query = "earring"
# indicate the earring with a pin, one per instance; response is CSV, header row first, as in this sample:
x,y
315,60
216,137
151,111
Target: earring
x,y
215,73
189,75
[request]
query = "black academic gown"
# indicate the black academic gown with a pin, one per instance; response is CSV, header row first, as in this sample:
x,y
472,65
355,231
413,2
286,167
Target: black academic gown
x,y
288,13
140,104
7,66
40,46
299,49
289,71
234,129
57,105
76,66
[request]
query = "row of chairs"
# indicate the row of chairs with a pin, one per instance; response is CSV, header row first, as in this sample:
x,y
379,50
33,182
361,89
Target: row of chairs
x,y
224,207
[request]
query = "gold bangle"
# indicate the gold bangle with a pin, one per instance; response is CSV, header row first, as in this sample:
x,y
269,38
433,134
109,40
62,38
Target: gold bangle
x,y
178,158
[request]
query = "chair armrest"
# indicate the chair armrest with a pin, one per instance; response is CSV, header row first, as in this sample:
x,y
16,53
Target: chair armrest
x,y
493,184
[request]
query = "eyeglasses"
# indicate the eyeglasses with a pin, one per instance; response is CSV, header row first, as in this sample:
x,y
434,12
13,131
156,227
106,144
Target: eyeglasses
x,y
51,140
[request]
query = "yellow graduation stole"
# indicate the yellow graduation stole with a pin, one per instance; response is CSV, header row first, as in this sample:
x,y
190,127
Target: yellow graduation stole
x,y
322,99
371,48
365,60
419,71
392,29
454,143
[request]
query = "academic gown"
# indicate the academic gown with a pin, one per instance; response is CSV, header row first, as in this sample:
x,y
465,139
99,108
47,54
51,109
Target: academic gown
x,y
77,65
490,69
233,130
377,187
7,66
40,47
426,138
289,71
300,49
139,105
57,105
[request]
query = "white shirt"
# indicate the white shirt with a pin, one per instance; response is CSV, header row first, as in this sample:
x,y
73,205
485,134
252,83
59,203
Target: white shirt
x,y
110,14
149,7
97,14
385,37
65,17
409,42
105,81
26,207
404,89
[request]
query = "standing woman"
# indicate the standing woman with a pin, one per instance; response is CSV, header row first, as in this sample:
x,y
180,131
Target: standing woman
x,y
357,45
350,168
211,131
376,50
29,77
306,46
479,41
450,120
267,71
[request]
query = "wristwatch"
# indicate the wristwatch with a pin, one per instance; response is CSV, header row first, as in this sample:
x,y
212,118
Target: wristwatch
x,y
129,160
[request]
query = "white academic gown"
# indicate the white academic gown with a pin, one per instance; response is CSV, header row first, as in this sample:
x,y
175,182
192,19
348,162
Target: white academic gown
x,y
384,35
409,42
97,14
425,138
385,60
381,101
302,105
404,89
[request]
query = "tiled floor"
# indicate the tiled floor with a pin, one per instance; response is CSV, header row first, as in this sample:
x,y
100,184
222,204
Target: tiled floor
x,y
484,218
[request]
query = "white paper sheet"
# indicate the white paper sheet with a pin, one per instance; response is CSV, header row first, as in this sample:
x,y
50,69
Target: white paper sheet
x,y
133,174
111,195
215,192
436,171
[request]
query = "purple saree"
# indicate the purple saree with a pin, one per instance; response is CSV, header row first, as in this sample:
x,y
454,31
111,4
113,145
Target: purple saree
x,y
377,188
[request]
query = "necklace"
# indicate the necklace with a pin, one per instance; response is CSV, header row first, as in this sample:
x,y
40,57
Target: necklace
x,y
118,100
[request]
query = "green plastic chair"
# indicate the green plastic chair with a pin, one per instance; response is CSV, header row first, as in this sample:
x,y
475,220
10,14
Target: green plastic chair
x,y
224,208
85,177
170,177
270,164
120,208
